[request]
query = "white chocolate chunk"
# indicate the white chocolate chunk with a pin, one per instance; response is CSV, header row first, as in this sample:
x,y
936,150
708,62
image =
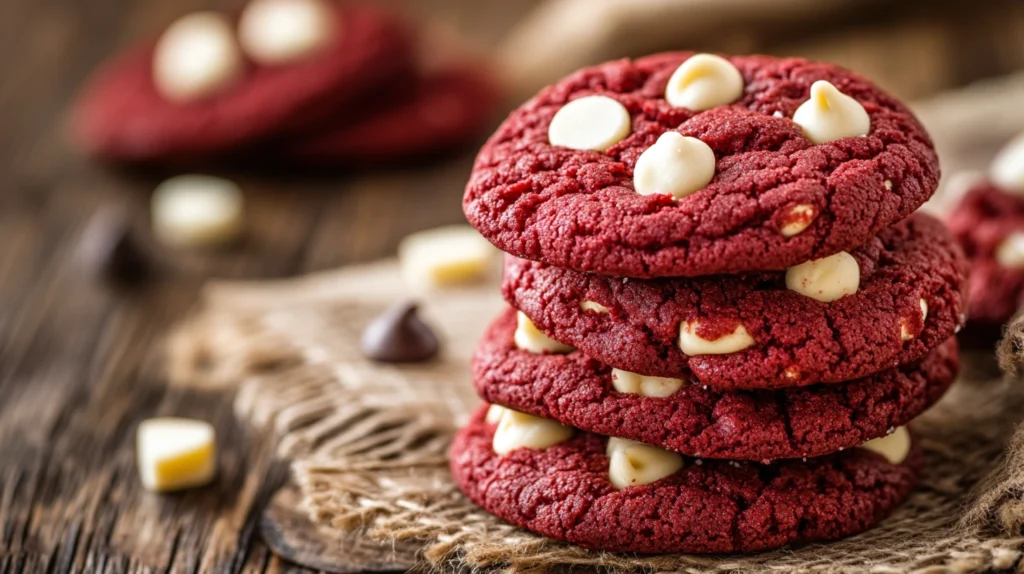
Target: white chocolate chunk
x,y
444,256
282,31
175,454
703,82
675,165
830,115
894,447
798,219
825,279
196,57
1007,170
632,463
520,430
645,386
593,306
1010,252
494,414
693,344
905,333
590,123
888,184
530,339
197,211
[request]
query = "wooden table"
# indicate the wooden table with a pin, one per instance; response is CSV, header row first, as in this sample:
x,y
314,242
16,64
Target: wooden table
x,y
79,359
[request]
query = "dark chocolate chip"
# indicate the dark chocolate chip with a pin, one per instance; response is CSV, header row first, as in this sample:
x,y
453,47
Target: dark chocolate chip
x,y
111,249
400,336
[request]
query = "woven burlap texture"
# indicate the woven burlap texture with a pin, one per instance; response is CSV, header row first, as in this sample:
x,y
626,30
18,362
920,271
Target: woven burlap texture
x,y
367,442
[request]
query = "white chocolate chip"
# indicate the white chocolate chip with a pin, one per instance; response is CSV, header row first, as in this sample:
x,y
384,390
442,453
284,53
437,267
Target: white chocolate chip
x,y
645,386
631,463
173,453
444,256
520,430
282,31
830,115
1007,170
798,219
590,123
197,211
196,57
894,447
703,82
593,306
675,165
1010,252
530,339
888,184
825,279
693,344
905,333
494,414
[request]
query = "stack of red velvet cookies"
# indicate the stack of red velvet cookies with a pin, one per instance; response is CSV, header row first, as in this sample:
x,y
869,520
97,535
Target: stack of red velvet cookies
x,y
724,311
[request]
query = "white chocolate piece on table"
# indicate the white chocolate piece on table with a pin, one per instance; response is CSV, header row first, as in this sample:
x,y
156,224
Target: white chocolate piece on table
x,y
447,255
905,333
175,453
532,340
1010,251
632,463
645,386
197,211
826,279
593,306
675,165
797,220
276,32
830,115
703,82
1007,169
693,344
494,414
894,447
520,430
197,57
590,123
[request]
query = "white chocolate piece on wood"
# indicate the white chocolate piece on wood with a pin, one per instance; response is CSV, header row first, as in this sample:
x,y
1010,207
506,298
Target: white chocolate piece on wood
x,y
645,386
1010,251
530,339
520,430
274,32
197,57
826,279
905,333
830,115
675,165
632,463
494,414
894,447
797,219
1007,169
593,306
590,123
703,82
444,256
693,344
197,211
174,453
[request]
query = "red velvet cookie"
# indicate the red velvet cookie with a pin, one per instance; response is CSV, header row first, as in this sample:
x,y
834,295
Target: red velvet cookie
x,y
793,339
989,223
775,200
694,420
707,506
121,116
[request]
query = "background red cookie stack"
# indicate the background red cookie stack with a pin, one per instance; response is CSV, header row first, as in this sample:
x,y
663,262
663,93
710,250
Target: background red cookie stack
x,y
718,269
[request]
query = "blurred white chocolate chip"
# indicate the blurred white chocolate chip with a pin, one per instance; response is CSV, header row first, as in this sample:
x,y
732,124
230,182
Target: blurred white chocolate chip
x,y
1007,170
530,339
894,447
675,165
693,344
197,211
905,333
282,31
825,279
520,430
445,256
593,306
632,463
797,220
494,414
590,123
196,57
830,115
703,82
645,386
1010,251
175,453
